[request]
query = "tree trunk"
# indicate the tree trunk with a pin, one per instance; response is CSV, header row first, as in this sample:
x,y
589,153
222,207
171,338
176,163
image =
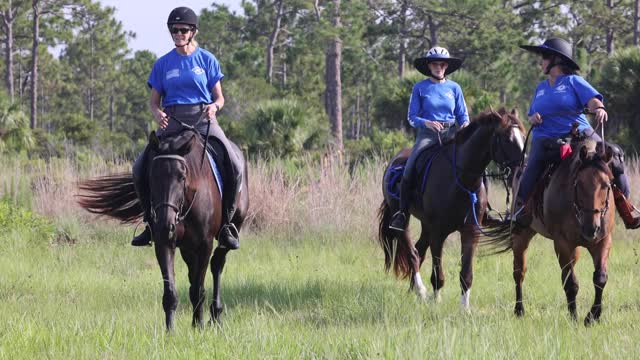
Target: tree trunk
x,y
402,53
610,32
8,17
636,22
433,31
333,94
34,64
273,38
111,114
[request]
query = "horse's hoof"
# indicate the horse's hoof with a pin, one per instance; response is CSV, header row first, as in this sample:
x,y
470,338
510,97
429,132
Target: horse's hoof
x,y
519,311
592,318
437,297
216,313
422,294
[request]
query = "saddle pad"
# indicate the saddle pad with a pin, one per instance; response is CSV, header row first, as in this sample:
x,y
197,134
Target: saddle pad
x,y
216,172
393,175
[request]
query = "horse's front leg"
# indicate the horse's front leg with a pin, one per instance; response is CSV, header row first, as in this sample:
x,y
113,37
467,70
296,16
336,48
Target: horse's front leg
x,y
165,256
567,257
197,263
421,247
469,242
437,274
520,243
217,264
600,255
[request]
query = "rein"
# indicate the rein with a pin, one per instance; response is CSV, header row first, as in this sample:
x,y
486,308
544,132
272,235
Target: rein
x,y
180,218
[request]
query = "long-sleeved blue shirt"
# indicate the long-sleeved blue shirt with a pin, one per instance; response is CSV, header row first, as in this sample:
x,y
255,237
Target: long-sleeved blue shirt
x,y
442,102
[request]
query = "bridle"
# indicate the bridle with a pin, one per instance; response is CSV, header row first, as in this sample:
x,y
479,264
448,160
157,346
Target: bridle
x,y
580,210
178,208
497,151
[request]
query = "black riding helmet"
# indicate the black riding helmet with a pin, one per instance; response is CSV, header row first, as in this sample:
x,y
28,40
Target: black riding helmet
x,y
183,15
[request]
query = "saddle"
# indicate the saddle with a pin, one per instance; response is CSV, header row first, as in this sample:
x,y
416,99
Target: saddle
x,y
393,175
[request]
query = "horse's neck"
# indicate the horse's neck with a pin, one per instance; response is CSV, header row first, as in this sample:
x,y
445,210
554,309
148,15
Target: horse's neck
x,y
473,154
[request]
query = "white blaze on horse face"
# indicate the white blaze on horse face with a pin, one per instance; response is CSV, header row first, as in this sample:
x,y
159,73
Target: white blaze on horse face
x,y
421,290
519,137
464,300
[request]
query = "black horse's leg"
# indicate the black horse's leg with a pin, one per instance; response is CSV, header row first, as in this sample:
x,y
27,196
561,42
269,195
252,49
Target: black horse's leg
x,y
437,275
469,242
567,257
217,264
197,262
165,256
520,243
600,255
421,247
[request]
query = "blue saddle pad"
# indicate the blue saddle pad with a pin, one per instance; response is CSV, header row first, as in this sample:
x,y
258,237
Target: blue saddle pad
x,y
393,175
216,172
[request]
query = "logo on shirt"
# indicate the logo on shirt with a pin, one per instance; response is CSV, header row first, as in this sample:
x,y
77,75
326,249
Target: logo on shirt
x,y
540,93
197,70
172,73
449,94
561,88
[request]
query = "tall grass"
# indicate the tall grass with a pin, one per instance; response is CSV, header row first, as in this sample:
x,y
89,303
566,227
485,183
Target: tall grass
x,y
307,282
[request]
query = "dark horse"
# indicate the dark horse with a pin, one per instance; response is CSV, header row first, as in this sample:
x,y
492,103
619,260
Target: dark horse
x,y
571,207
185,213
447,203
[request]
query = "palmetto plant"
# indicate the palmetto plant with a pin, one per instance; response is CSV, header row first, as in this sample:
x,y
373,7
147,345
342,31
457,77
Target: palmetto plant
x,y
15,134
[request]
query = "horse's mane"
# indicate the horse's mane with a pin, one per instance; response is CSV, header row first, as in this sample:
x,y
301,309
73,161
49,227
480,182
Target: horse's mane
x,y
484,118
180,143
595,160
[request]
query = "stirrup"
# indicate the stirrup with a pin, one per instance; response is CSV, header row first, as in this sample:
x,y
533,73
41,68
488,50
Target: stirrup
x,y
398,221
144,239
229,237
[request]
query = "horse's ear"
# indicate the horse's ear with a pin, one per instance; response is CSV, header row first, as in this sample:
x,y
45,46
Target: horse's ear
x,y
608,154
189,143
154,141
584,152
514,112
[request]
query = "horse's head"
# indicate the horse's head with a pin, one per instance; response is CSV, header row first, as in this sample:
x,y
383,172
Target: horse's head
x,y
507,145
592,193
169,177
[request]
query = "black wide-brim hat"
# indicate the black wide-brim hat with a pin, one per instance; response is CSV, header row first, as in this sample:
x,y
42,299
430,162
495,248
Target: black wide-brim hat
x,y
554,46
437,54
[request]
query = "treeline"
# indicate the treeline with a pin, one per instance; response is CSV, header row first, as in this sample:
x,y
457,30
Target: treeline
x,y
300,74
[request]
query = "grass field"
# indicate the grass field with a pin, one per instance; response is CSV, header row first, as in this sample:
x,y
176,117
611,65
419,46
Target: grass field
x,y
73,288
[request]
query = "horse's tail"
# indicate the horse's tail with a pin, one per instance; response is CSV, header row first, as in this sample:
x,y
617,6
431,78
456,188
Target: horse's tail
x,y
111,195
396,251
498,237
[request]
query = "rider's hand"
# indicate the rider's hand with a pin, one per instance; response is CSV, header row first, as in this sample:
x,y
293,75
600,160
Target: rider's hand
x,y
210,111
433,125
600,115
535,119
161,118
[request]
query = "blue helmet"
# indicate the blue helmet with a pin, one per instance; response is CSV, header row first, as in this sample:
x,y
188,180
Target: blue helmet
x,y
437,54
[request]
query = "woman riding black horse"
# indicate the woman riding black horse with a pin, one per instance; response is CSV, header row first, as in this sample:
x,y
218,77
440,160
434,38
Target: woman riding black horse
x,y
185,89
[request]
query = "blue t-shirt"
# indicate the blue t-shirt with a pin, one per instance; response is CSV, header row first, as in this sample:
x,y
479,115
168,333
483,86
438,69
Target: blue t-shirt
x,y
561,105
185,79
442,102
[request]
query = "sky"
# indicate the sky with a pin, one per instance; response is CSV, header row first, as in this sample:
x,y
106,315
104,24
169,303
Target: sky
x,y
148,19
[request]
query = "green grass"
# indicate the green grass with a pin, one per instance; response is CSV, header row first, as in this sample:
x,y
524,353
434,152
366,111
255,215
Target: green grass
x,y
89,295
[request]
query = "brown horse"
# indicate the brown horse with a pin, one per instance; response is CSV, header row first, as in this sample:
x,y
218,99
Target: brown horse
x,y
447,204
186,213
573,210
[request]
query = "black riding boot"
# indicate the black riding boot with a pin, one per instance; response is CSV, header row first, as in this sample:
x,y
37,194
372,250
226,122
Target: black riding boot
x,y
139,183
400,219
229,236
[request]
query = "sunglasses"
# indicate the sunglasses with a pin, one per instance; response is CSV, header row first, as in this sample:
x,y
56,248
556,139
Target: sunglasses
x,y
175,30
438,64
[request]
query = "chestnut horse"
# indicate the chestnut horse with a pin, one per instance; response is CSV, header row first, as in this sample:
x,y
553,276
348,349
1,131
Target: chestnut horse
x,y
185,213
453,199
573,210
